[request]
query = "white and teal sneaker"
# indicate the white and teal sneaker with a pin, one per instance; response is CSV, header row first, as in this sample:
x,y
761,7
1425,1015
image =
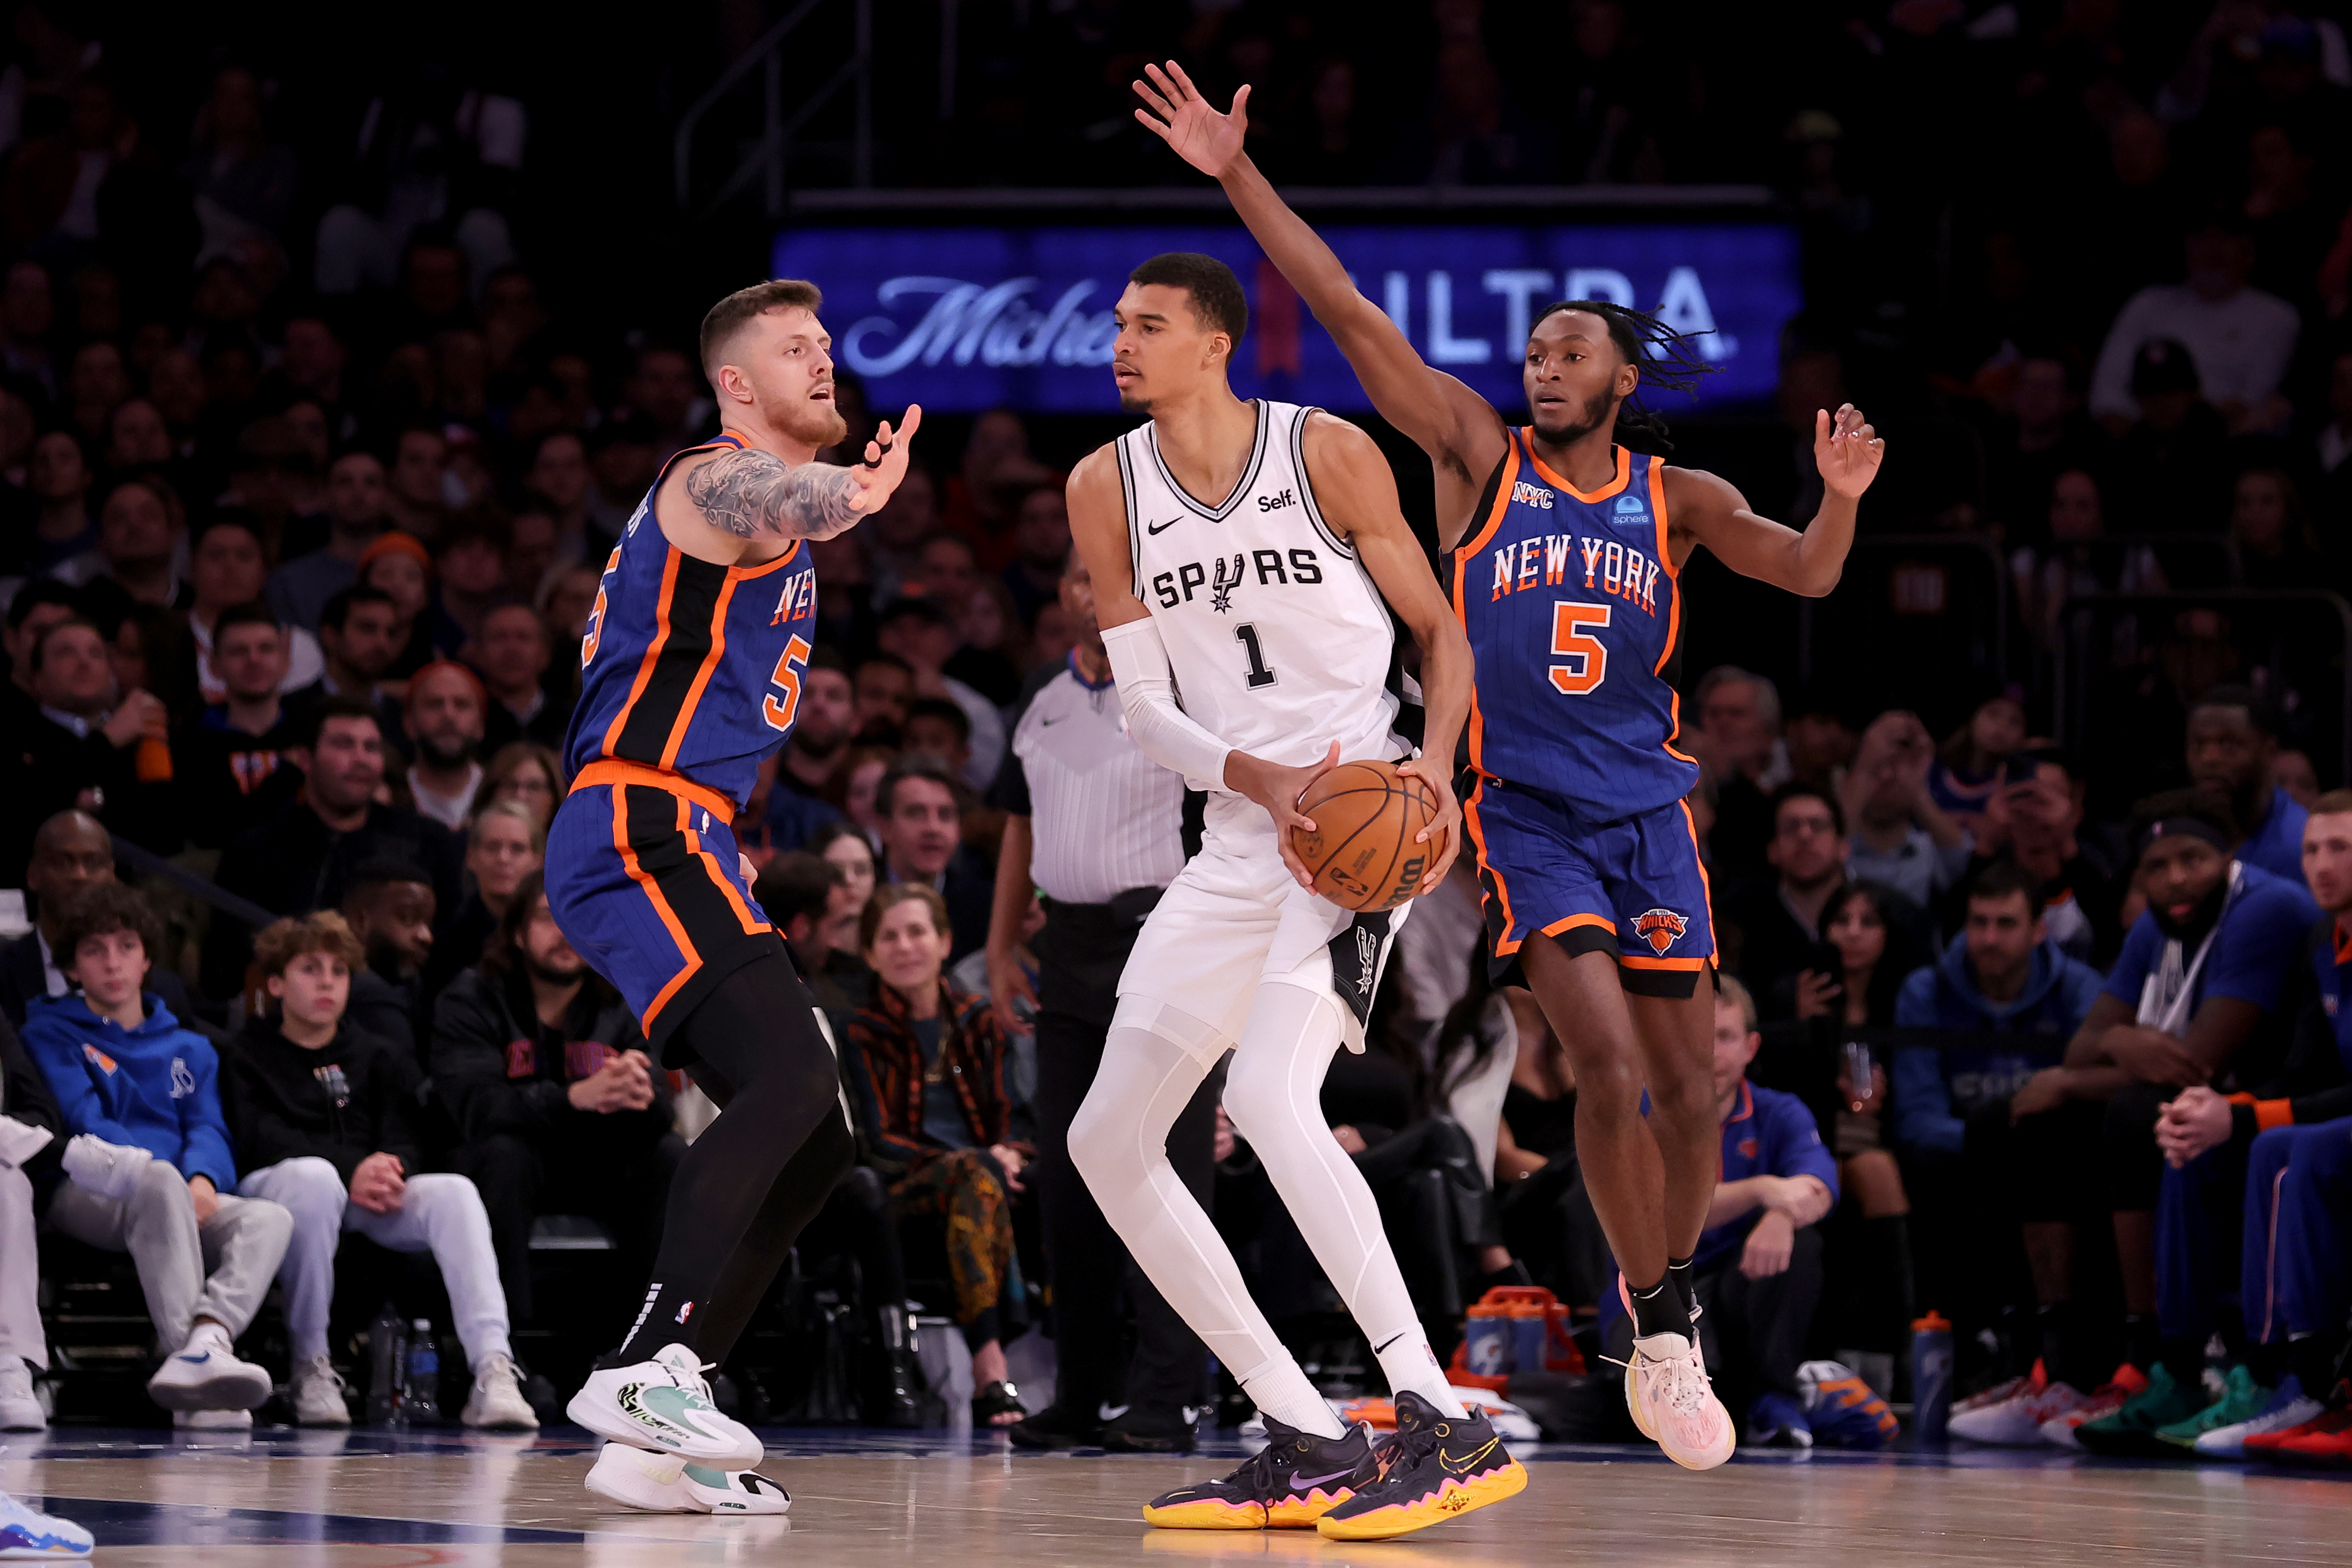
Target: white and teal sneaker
x,y
663,1406
2288,1406
28,1534
659,1483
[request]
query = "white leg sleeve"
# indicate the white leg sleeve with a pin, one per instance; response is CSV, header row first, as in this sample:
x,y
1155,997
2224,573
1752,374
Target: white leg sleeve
x,y
1118,1141
1274,1094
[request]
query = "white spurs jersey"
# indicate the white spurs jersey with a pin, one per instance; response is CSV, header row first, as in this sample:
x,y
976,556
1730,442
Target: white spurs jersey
x,y
1279,641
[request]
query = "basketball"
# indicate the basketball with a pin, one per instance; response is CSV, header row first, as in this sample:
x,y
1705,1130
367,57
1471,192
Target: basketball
x,y
1362,852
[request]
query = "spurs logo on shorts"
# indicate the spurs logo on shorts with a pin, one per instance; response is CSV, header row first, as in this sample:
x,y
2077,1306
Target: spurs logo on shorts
x,y
1661,928
1367,950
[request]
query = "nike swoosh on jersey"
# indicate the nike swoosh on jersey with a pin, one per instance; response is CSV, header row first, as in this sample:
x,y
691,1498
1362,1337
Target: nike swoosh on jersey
x,y
1161,528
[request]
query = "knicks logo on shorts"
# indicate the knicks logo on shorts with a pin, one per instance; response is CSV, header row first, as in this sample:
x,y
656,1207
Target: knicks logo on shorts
x,y
1661,928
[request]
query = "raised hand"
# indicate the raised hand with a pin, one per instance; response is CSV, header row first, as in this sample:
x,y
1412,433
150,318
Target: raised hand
x,y
1846,450
1181,117
886,461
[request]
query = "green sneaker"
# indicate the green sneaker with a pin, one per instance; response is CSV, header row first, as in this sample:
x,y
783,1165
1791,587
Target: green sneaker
x,y
2131,1431
2241,1400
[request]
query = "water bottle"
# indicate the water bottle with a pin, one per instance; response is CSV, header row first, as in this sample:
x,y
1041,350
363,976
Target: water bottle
x,y
1530,1323
1931,1377
1486,1350
420,1402
383,1369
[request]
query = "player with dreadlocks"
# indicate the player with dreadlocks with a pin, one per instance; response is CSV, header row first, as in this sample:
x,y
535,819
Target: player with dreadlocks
x,y
1567,552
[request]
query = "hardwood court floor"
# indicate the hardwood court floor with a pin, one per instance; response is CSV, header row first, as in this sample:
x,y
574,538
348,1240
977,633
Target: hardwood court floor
x,y
285,1499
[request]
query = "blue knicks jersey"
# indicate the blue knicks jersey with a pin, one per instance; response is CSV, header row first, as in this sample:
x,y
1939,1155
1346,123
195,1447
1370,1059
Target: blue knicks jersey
x,y
2331,955
1574,614
687,666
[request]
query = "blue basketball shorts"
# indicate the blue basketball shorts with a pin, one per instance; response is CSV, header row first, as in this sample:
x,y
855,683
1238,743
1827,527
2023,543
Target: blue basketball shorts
x,y
1632,888
644,882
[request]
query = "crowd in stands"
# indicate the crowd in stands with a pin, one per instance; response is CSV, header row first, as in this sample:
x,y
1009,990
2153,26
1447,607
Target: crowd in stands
x,y
298,541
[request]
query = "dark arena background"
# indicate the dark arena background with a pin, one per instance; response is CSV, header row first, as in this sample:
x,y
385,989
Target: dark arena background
x,y
339,347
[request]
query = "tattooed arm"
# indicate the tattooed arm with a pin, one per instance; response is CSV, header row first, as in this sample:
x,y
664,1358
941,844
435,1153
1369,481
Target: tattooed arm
x,y
750,493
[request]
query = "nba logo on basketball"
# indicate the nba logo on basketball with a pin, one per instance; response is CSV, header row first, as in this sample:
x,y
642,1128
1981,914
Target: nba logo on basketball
x,y
1661,928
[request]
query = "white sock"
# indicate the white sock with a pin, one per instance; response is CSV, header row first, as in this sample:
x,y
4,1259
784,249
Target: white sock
x,y
1281,1392
1409,1363
210,1336
1153,1061
1274,1094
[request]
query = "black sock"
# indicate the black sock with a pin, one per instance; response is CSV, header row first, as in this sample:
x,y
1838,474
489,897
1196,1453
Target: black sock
x,y
2268,1363
2185,1359
1658,1309
2141,1347
1678,1270
2056,1322
2313,1358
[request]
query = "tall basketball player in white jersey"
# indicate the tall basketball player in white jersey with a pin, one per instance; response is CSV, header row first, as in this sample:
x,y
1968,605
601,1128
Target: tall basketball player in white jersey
x,y
1245,557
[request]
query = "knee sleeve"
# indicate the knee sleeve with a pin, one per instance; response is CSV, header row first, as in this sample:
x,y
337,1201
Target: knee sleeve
x,y
757,1032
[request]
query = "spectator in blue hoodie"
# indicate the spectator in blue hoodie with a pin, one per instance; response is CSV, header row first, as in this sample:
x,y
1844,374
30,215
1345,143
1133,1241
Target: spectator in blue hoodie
x,y
2003,1002
150,1166
2001,977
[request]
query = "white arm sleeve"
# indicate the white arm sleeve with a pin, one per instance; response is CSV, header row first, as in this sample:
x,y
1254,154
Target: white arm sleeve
x,y
1147,693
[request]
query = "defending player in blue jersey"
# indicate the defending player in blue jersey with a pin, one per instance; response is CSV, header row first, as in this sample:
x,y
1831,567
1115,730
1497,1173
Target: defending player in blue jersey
x,y
1568,550
690,676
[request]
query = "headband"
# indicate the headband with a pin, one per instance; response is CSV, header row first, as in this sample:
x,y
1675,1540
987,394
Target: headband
x,y
2180,827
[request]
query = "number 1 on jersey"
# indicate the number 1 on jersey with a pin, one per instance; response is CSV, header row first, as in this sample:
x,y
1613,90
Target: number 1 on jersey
x,y
787,675
1571,640
1246,635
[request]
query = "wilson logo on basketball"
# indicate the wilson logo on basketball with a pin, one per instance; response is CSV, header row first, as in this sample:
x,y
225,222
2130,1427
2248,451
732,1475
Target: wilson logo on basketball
x,y
1661,928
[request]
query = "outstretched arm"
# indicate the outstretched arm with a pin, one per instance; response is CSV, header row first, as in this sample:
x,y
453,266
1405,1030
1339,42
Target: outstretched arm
x,y
1453,423
749,493
1708,510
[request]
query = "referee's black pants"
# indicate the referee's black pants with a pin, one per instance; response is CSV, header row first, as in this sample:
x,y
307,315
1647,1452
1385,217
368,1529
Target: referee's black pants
x,y
1088,1263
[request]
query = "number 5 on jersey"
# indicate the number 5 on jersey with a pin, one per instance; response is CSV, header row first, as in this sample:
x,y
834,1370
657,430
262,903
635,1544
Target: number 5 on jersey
x,y
788,676
1571,639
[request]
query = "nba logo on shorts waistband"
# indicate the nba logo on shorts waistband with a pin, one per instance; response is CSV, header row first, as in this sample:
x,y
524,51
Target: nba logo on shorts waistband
x,y
1661,928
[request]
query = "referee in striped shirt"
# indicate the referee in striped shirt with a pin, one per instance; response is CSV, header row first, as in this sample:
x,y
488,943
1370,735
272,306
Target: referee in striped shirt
x,y
1098,830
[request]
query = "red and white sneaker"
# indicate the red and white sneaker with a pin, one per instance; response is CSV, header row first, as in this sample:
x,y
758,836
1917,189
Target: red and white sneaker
x,y
2105,1400
2017,1422
1675,1404
2000,1393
